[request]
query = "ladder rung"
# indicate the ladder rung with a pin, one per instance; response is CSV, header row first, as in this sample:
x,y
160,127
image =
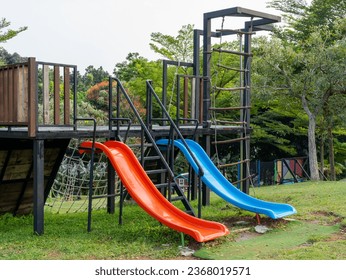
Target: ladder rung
x,y
156,171
146,145
232,68
229,108
231,89
244,179
235,31
177,198
147,158
231,140
220,166
164,185
232,52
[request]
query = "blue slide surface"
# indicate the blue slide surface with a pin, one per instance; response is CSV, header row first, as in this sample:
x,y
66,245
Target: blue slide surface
x,y
217,183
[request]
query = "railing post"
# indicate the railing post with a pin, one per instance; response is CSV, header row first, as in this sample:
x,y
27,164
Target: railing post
x,y
149,105
32,92
75,95
56,82
67,95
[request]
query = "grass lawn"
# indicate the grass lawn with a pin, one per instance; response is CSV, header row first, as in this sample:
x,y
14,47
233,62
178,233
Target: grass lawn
x,y
316,232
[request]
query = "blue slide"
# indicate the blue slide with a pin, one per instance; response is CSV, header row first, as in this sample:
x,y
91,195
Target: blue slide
x,y
217,183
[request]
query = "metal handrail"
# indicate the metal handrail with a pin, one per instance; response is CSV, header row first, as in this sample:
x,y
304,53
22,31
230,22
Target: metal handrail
x,y
173,126
143,126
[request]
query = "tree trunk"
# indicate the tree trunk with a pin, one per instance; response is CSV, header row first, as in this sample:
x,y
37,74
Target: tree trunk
x,y
322,155
313,163
331,155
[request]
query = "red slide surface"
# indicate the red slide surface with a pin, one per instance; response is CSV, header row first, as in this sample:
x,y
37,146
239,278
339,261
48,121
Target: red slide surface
x,y
147,196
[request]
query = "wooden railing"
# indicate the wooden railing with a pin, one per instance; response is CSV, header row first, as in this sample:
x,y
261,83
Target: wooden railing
x,y
35,94
14,95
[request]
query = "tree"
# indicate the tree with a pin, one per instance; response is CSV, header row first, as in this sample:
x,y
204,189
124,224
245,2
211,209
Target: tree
x,y
96,75
9,33
301,61
302,19
135,71
279,124
8,58
91,77
5,35
179,48
333,83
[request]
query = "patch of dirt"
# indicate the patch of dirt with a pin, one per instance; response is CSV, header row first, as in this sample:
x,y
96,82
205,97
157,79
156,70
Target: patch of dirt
x,y
341,235
191,258
246,235
54,255
242,228
252,222
336,218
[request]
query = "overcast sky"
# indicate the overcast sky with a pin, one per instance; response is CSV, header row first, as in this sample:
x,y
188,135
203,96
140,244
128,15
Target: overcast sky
x,y
103,32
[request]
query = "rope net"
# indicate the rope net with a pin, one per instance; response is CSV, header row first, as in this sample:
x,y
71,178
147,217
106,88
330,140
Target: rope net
x,y
70,190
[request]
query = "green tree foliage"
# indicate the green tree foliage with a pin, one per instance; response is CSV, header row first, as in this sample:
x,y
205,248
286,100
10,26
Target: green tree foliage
x,y
7,33
98,97
179,48
306,62
303,19
92,76
92,94
279,128
135,71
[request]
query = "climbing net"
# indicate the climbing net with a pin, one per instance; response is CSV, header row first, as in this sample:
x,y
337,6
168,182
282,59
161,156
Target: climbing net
x,y
70,190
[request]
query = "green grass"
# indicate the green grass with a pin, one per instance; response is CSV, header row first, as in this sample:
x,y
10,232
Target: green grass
x,y
317,231
276,244
66,237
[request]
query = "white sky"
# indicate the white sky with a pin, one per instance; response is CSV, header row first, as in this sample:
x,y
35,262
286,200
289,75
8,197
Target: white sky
x,y
103,32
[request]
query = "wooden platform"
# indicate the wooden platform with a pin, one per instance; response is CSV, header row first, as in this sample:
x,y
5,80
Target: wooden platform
x,y
63,132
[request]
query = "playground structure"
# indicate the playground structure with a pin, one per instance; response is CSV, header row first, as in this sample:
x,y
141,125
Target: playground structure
x,y
291,170
38,124
280,171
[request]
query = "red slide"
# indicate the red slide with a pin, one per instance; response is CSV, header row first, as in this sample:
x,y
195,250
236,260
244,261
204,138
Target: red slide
x,y
147,196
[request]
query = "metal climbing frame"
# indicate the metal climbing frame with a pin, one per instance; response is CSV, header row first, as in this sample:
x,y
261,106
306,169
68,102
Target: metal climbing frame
x,y
258,21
